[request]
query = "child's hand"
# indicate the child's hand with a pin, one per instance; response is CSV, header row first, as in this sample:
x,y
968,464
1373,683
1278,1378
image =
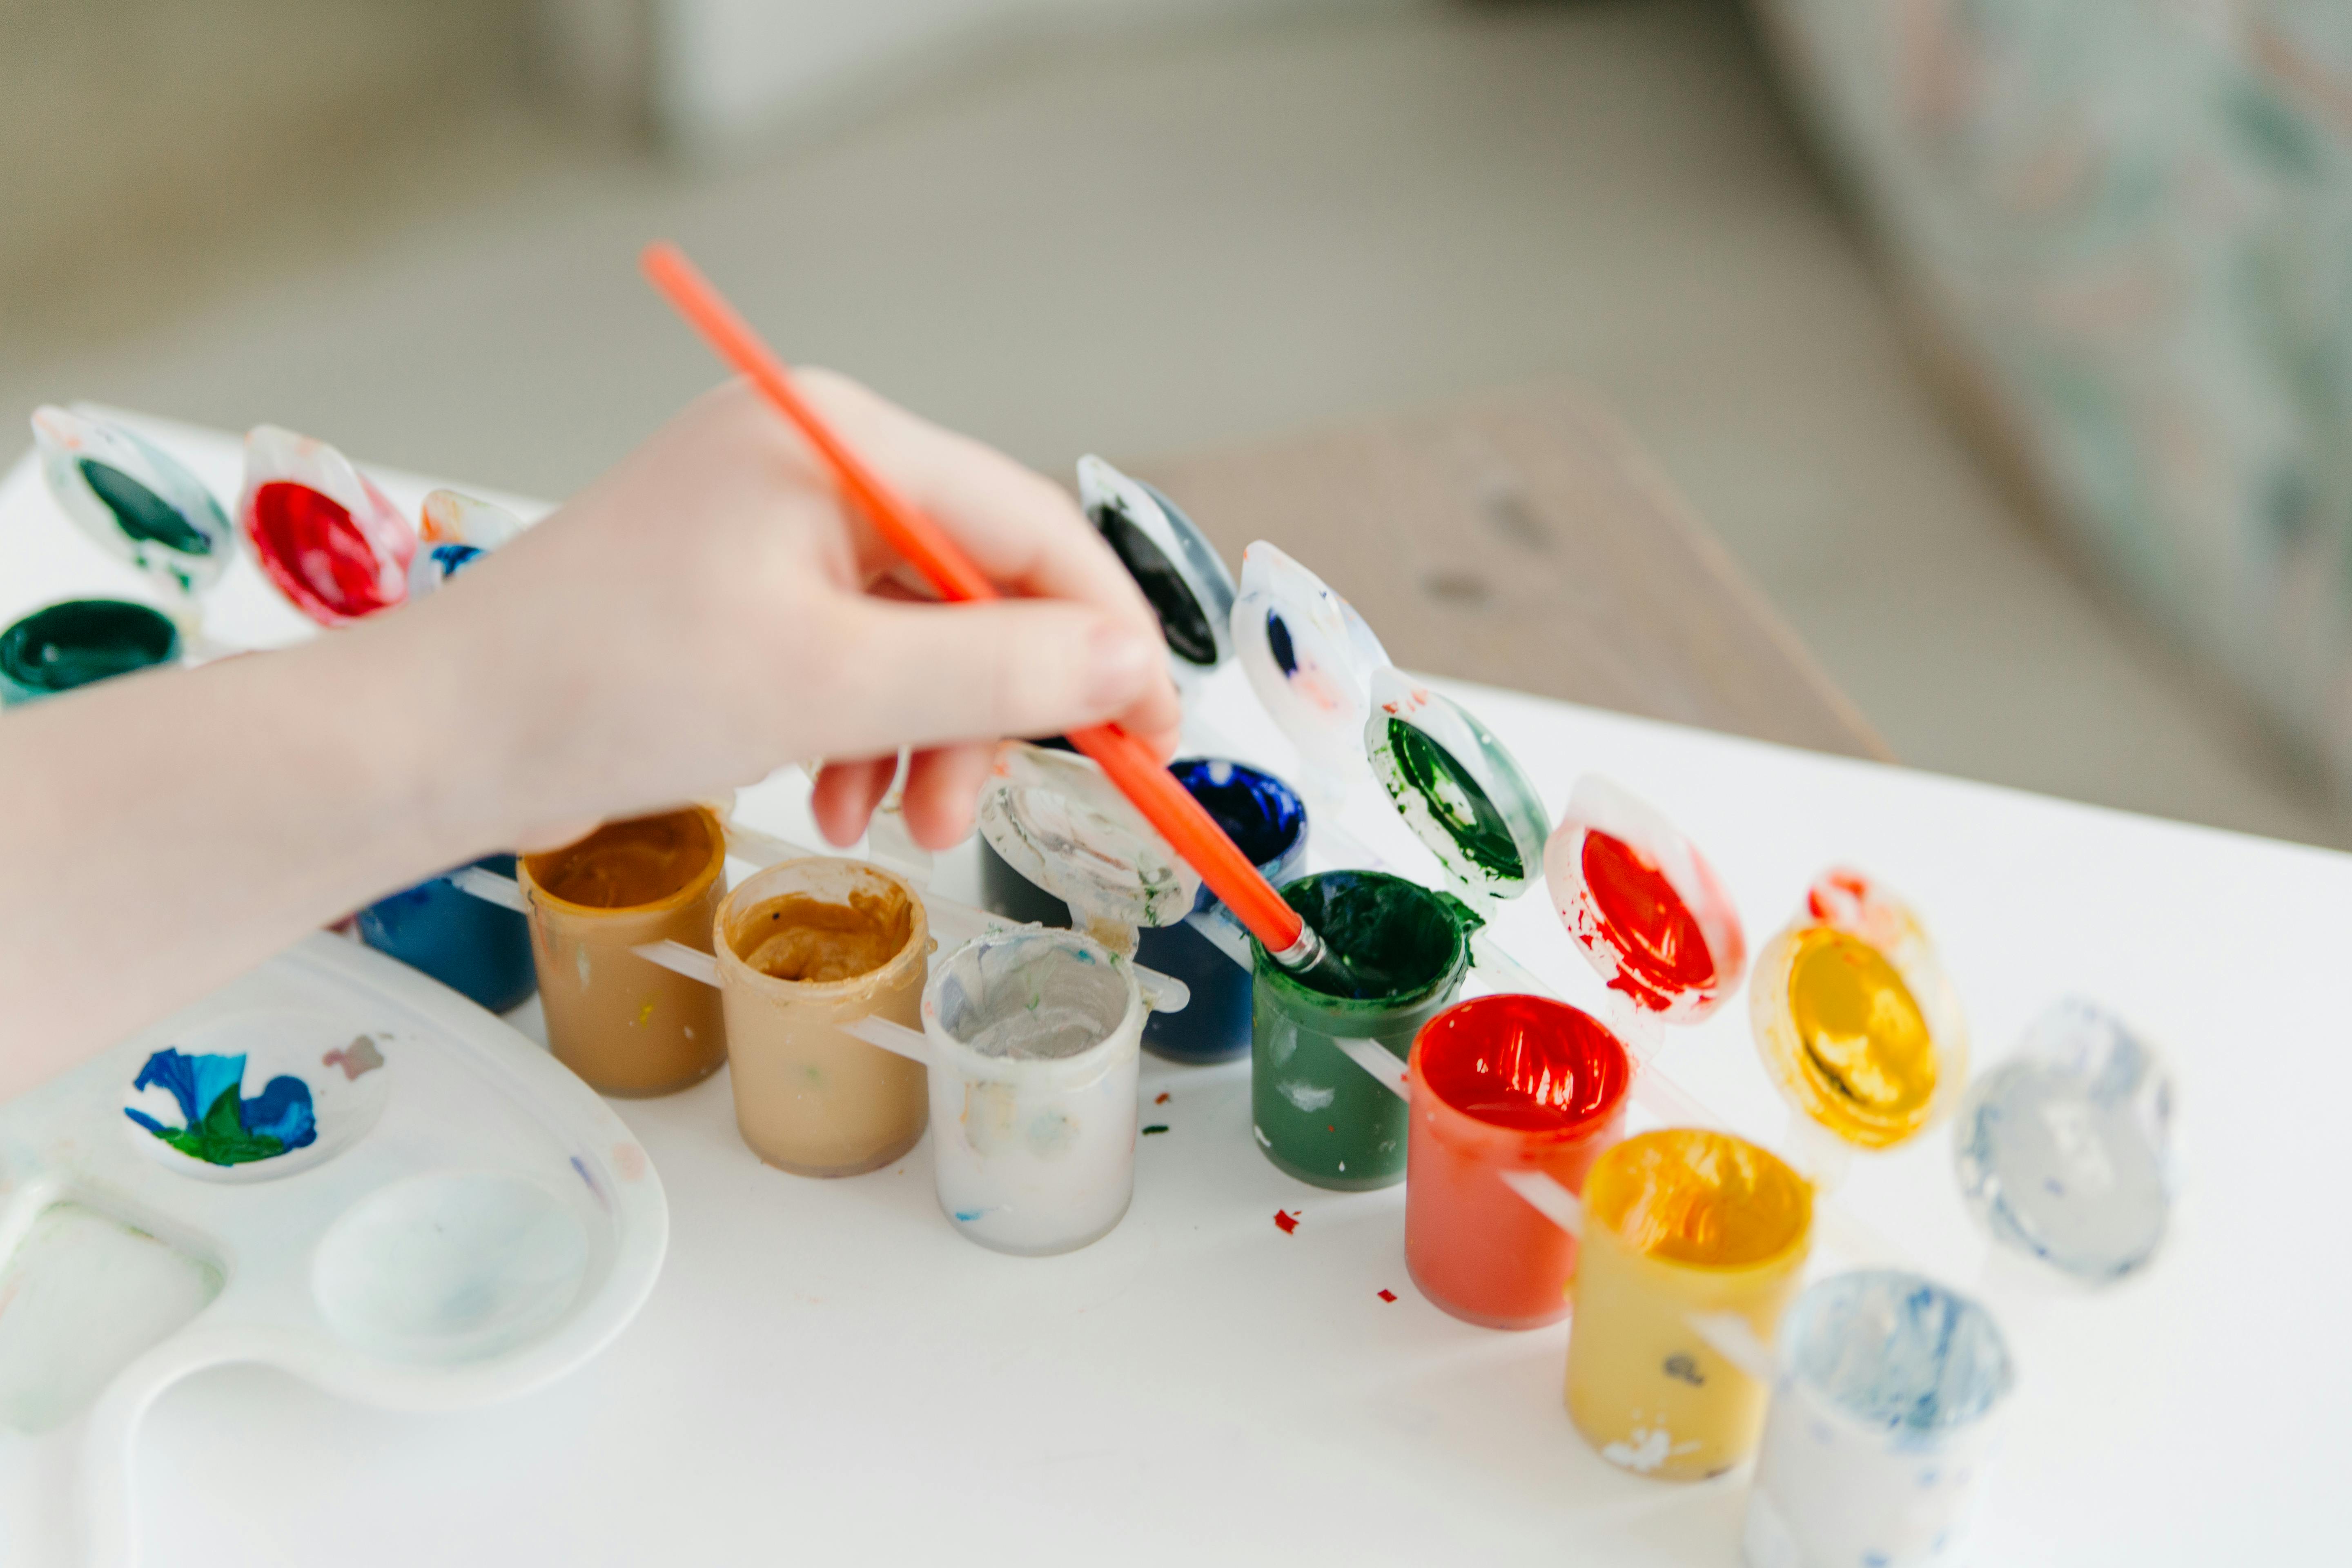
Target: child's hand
x,y
713,609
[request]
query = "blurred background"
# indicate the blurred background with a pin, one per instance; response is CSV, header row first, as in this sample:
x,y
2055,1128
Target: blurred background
x,y
2007,344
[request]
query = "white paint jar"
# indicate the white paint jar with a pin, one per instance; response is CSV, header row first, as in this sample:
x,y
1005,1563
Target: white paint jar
x,y
1892,1394
1034,1038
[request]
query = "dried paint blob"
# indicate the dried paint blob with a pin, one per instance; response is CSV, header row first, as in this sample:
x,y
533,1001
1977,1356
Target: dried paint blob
x,y
67,646
217,1124
2064,1151
1702,1198
321,530
1854,1018
137,501
1644,906
629,864
1171,561
1457,787
1523,1062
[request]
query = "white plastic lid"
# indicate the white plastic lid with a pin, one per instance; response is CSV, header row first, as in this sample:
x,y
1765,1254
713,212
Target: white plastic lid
x,y
137,501
1457,787
1310,657
1680,963
1057,820
1171,560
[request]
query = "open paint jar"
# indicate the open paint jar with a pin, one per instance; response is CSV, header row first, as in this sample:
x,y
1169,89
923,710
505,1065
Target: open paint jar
x,y
1891,1400
477,948
321,530
1680,1224
623,1023
1263,816
1854,1018
136,501
63,646
1036,1038
1316,1113
804,948
1503,1085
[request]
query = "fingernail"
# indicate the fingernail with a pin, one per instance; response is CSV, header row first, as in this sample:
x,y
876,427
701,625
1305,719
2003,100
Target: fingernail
x,y
1118,659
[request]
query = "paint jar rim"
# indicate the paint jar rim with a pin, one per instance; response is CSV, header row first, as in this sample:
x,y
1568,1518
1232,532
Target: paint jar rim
x,y
18,672
1792,1250
1294,842
1296,993
1078,1070
748,894
1458,1125
1805,1323
694,888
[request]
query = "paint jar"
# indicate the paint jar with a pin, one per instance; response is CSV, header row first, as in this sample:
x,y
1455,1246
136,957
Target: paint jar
x,y
1892,1394
1059,823
804,948
1680,1224
1005,892
78,642
1503,1085
624,1023
1317,1115
477,948
1263,816
1035,1037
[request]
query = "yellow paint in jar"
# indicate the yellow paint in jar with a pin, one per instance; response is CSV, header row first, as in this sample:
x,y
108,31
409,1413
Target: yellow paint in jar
x,y
1679,1223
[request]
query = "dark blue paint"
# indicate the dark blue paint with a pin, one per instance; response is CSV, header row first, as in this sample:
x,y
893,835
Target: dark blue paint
x,y
1278,642
474,947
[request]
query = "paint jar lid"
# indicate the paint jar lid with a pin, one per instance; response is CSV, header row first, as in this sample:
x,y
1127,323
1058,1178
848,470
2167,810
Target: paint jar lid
x,y
138,502
1642,904
1854,1017
1180,571
1310,657
360,565
1057,820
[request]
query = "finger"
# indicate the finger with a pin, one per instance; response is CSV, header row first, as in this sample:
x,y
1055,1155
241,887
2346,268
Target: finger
x,y
846,793
934,675
943,786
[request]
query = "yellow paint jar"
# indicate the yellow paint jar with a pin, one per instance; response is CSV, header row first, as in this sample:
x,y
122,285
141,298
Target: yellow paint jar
x,y
624,1023
1679,1223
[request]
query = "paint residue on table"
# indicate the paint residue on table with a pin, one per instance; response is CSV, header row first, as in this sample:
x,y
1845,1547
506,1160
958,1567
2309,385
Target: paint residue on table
x,y
1286,1222
220,1127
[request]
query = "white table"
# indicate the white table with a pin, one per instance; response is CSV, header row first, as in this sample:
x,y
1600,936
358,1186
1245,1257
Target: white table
x,y
826,1372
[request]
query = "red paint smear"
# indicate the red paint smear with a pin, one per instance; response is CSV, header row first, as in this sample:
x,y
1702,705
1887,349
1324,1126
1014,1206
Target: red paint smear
x,y
1160,1099
1387,1294
1663,952
1526,1063
1287,1223
312,549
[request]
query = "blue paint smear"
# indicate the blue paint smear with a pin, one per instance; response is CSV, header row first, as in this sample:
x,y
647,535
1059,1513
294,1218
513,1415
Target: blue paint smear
x,y
1278,642
454,558
220,1127
965,1216
1898,1351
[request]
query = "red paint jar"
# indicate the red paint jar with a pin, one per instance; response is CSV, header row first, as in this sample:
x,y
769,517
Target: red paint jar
x,y
1501,1084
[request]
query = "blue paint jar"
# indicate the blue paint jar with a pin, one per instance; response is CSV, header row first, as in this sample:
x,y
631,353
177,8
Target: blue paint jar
x,y
1266,817
475,948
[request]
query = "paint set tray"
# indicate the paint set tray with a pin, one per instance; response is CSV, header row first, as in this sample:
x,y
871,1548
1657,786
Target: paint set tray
x,y
419,1209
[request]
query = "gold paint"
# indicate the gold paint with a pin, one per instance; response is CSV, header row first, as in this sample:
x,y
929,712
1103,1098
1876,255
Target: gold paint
x,y
817,943
623,865
1868,1068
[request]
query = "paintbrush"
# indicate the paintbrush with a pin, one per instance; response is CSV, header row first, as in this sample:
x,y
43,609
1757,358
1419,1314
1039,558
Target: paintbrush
x,y
926,546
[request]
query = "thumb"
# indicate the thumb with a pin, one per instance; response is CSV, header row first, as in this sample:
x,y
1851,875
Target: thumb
x,y
920,675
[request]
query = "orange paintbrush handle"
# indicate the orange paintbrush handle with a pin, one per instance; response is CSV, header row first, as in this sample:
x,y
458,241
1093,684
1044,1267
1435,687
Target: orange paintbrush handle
x,y
928,547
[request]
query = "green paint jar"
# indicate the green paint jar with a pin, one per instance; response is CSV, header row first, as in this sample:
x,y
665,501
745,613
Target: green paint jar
x,y
1320,1116
78,642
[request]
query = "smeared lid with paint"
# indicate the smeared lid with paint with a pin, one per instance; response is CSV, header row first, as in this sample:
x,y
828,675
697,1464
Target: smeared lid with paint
x,y
78,642
139,503
1033,997
321,530
217,1124
1699,1198
1171,560
1457,787
1643,905
2064,1151
634,864
1526,1063
1059,821
1898,1353
1310,657
457,531
1854,1017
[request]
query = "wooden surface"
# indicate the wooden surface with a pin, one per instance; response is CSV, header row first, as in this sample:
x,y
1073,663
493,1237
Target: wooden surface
x,y
1527,540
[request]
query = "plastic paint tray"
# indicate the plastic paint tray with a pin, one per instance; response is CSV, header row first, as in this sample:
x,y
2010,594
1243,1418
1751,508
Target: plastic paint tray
x,y
464,1221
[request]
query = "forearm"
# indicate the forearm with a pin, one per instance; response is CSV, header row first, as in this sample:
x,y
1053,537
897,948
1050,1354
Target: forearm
x,y
162,833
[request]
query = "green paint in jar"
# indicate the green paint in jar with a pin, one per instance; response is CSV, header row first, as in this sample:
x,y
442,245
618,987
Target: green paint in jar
x,y
80,642
1320,1116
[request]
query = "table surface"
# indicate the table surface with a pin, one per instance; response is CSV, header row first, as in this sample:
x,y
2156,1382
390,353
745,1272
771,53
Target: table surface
x,y
827,1370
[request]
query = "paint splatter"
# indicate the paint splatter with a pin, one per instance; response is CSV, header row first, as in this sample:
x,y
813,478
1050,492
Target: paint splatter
x,y
222,1128
357,1059
1159,1099
1155,1127
1658,940
1387,1294
1286,1222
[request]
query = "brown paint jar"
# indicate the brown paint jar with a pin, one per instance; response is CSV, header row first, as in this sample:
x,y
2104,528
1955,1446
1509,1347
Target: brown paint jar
x,y
623,1023
804,948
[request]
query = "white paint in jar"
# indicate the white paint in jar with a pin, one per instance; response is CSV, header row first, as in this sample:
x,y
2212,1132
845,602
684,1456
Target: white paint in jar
x,y
1034,1038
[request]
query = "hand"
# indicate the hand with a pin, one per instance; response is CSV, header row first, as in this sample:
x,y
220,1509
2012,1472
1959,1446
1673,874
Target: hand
x,y
713,609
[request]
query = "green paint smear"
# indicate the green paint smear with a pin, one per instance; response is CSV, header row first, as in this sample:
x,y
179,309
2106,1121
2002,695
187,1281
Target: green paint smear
x,y
1459,805
141,513
84,640
221,1138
